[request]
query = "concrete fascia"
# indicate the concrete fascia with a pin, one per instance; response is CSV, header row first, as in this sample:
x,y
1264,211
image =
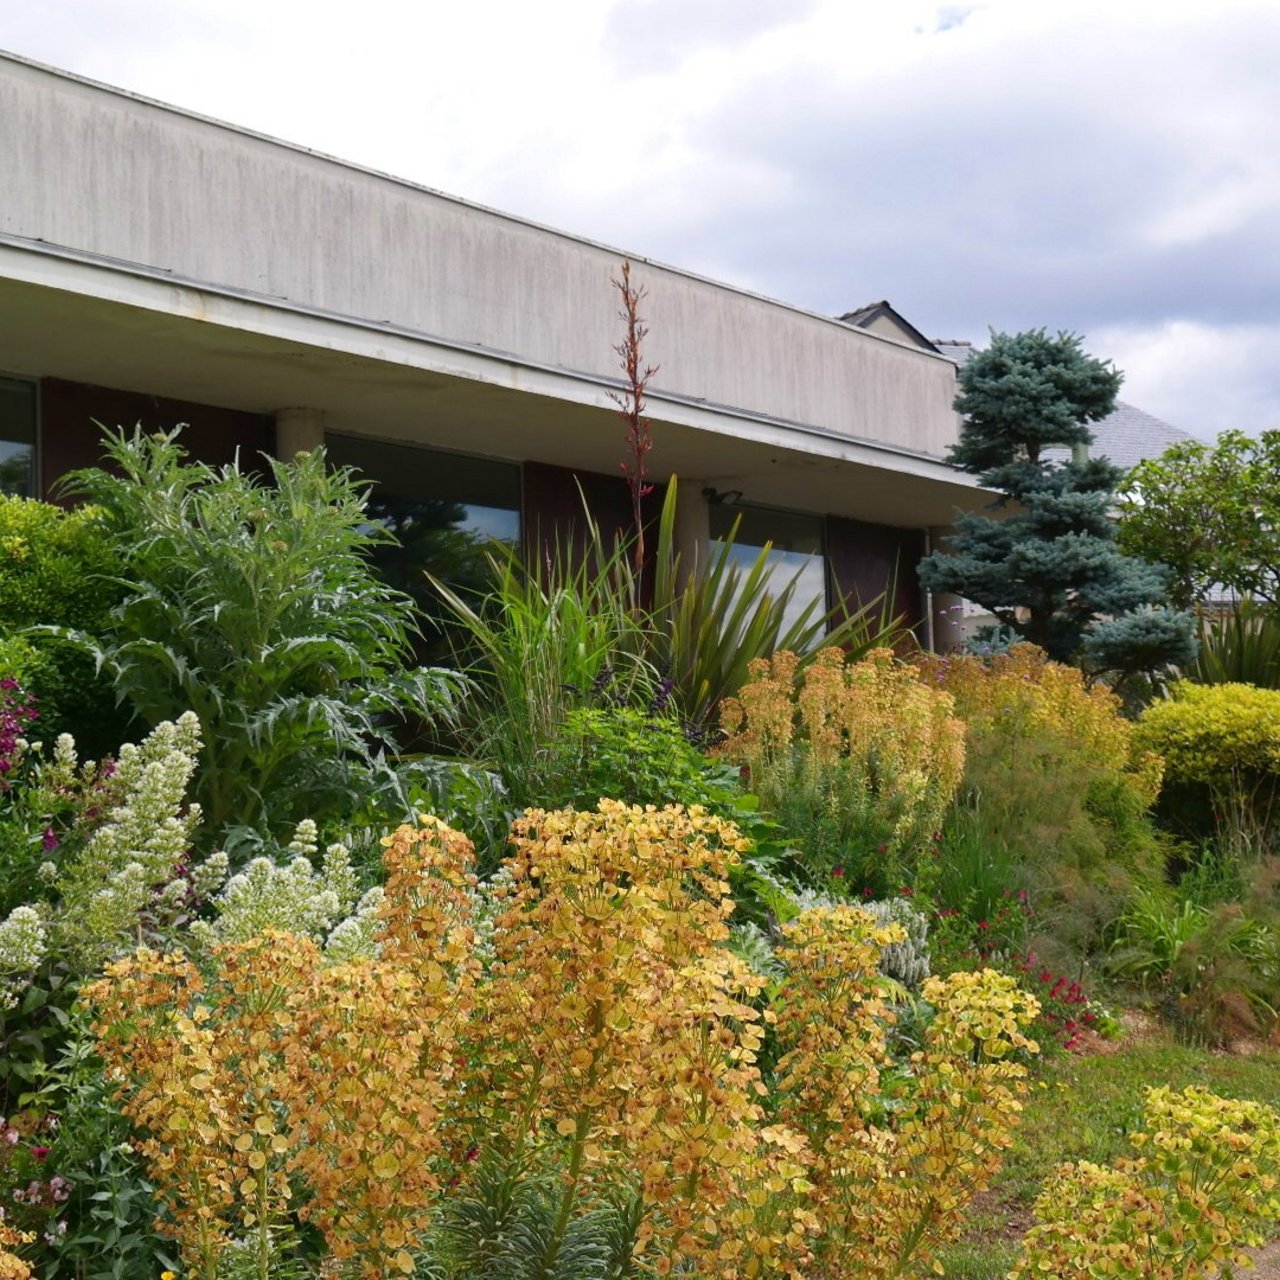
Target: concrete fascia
x,y
136,285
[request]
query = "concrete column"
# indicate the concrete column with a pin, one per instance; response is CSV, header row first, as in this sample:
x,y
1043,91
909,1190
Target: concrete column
x,y
298,431
692,532
945,632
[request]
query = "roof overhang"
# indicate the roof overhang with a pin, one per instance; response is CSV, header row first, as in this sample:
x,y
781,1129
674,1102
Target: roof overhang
x,y
70,314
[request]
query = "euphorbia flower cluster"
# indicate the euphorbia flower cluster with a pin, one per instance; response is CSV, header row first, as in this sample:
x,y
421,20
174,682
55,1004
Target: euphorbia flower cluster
x,y
612,1039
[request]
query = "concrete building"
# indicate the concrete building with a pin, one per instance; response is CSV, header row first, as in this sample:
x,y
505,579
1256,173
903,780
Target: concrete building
x,y
157,266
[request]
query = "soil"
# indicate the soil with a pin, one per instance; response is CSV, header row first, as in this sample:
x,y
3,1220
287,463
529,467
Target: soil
x,y
1267,1262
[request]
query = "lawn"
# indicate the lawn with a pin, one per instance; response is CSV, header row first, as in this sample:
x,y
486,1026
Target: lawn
x,y
1083,1107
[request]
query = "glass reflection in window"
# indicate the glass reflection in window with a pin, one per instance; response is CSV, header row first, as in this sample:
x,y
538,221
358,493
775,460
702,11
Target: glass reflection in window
x,y
17,437
445,509
797,552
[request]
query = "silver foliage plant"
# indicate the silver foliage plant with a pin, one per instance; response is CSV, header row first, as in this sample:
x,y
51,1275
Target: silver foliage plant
x,y
907,961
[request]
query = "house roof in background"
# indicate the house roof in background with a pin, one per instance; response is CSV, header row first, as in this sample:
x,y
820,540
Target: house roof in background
x,y
1127,435
865,318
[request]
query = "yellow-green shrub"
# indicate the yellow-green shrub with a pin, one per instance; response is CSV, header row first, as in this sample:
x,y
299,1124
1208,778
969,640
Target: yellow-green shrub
x,y
1207,732
11,1266
893,1162
1024,693
1225,737
278,1067
1054,798
858,761
1201,1189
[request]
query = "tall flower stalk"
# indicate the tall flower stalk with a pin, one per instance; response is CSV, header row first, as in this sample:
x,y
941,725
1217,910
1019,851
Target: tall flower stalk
x,y
631,402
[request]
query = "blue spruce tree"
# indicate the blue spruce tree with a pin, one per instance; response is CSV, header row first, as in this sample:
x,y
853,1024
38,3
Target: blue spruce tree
x,y
1050,569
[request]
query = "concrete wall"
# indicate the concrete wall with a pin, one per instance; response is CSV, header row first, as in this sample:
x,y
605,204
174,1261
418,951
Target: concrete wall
x,y
102,172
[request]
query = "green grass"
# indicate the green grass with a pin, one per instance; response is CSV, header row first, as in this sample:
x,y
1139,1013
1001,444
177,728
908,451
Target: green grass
x,y
1084,1108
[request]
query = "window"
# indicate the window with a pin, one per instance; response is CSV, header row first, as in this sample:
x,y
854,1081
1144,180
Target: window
x,y
17,437
446,510
797,551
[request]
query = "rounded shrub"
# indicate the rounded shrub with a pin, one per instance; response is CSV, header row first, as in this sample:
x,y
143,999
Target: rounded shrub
x,y
1207,733
1221,747
620,753
57,570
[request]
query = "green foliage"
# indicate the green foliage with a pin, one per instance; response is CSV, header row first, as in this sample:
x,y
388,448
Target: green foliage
x,y
551,636
57,569
1053,801
978,864
629,755
1214,971
1051,570
101,1224
503,1227
1240,646
1211,513
857,761
1226,738
567,633
253,604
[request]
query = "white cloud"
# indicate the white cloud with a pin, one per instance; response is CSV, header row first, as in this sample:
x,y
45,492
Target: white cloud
x,y
1202,378
1105,167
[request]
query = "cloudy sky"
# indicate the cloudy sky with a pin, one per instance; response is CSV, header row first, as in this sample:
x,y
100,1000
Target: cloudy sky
x,y
1111,167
